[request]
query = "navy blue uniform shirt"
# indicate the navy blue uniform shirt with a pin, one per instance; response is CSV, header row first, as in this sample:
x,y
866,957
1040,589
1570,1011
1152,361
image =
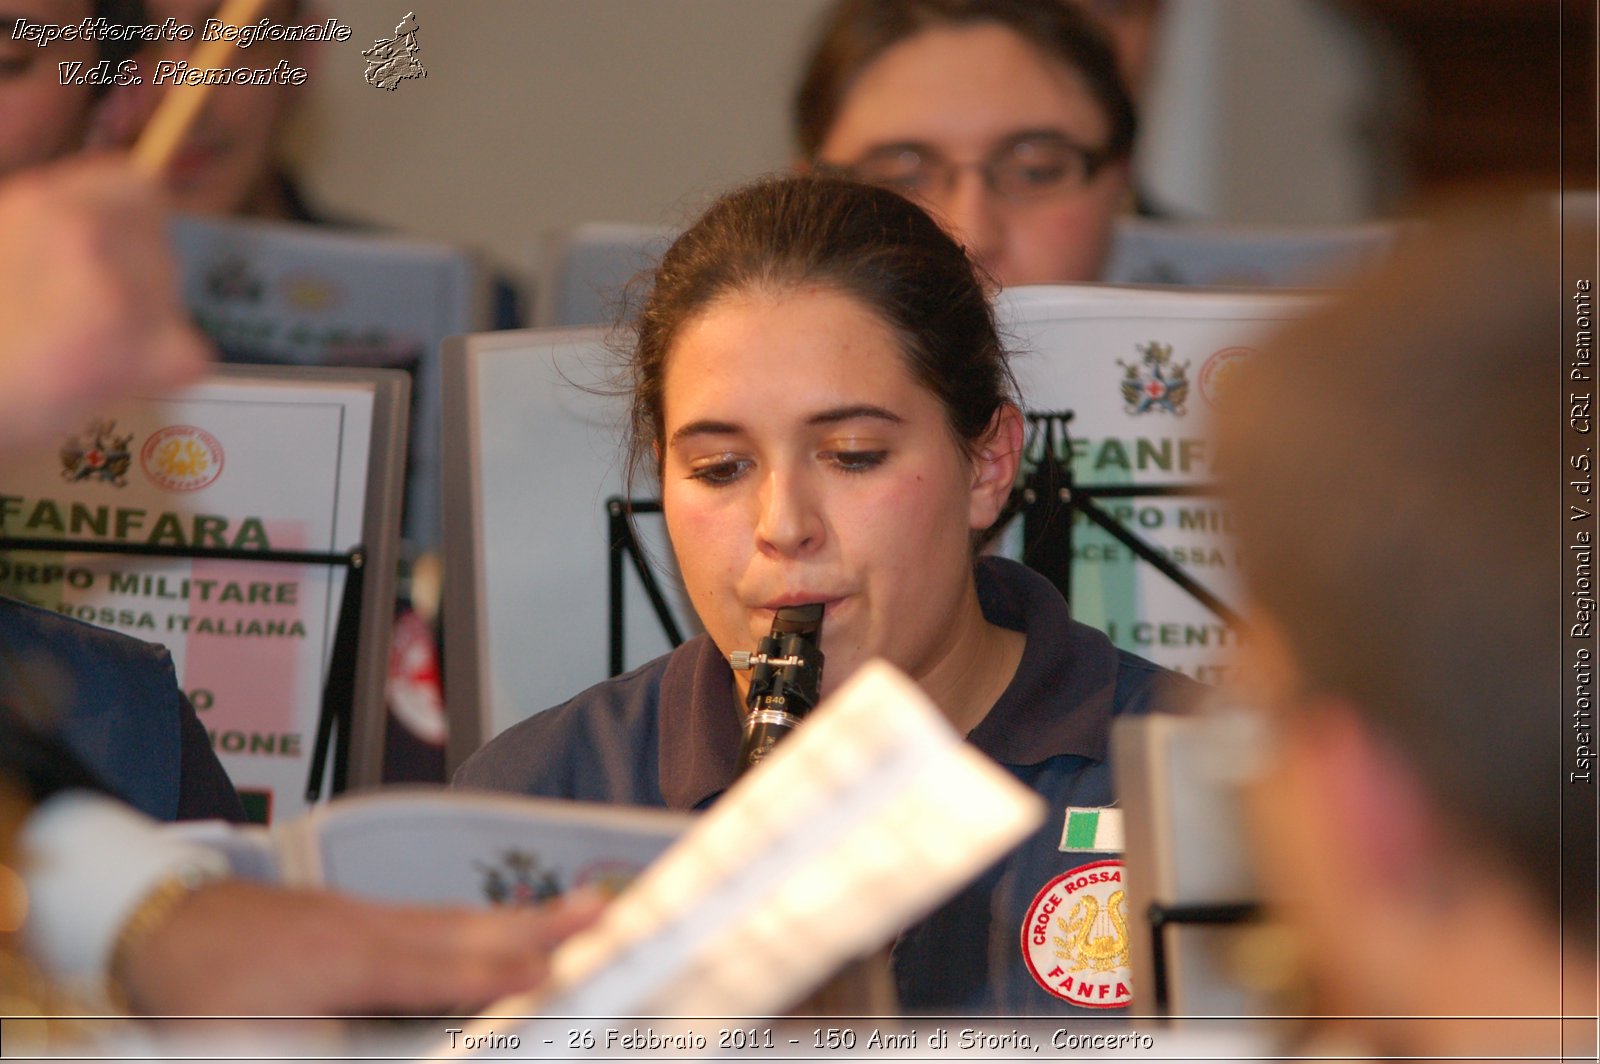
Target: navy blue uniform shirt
x,y
667,734
113,702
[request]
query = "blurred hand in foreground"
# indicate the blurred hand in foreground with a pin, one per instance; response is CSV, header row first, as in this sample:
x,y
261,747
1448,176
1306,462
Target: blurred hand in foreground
x,y
88,295
236,948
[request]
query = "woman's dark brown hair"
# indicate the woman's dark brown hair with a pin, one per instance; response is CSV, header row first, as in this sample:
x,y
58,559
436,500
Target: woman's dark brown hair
x,y
864,242
854,33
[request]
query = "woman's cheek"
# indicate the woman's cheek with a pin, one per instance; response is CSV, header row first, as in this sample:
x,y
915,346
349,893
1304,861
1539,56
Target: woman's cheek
x,y
915,506
706,538
701,528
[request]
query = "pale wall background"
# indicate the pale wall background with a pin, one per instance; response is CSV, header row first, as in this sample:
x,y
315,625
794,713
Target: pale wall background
x,y
541,113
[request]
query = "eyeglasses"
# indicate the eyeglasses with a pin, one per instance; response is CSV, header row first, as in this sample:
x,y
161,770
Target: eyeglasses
x,y
1026,168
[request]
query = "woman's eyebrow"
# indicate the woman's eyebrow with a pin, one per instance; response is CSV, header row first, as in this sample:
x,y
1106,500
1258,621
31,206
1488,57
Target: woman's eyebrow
x,y
850,413
704,428
895,147
831,416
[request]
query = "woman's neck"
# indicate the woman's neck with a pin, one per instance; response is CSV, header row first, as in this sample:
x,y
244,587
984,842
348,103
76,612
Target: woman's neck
x,y
969,679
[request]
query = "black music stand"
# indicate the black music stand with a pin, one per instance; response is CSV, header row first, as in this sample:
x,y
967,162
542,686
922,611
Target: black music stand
x,y
621,541
1049,497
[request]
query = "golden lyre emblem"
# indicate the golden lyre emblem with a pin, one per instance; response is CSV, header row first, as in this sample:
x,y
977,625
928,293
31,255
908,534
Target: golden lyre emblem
x,y
1096,937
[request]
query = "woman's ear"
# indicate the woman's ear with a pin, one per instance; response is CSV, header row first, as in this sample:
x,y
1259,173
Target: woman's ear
x,y
995,458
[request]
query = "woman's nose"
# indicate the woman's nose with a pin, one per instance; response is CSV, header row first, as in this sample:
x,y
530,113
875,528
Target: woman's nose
x,y
789,522
971,212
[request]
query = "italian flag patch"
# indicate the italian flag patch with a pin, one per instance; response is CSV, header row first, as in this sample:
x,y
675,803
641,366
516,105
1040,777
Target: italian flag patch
x,y
1092,831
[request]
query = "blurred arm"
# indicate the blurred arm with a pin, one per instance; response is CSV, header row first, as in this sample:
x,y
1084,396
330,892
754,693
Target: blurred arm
x,y
229,947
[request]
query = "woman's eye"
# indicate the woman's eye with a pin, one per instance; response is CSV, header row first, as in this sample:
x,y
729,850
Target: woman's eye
x,y
1042,173
905,171
718,473
857,461
913,183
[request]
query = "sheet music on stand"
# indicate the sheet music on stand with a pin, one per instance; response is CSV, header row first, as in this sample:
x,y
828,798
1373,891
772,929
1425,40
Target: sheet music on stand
x,y
869,816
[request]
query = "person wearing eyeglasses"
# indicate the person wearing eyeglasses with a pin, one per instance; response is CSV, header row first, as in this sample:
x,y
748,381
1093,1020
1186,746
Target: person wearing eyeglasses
x,y
1006,119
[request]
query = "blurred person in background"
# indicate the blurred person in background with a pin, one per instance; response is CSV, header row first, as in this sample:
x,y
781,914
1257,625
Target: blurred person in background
x,y
42,118
234,161
231,162
1395,469
1007,119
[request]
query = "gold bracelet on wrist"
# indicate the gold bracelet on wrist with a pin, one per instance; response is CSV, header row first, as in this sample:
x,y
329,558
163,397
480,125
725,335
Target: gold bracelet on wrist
x,y
153,910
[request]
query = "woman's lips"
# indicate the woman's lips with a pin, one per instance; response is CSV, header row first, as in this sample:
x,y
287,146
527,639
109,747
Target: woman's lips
x,y
830,604
828,601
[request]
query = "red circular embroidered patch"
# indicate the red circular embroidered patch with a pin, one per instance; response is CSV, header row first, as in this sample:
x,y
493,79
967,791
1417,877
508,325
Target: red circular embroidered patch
x,y
1075,936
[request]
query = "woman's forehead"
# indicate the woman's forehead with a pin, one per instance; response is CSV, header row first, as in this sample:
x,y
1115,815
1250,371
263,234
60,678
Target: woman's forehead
x,y
784,348
963,88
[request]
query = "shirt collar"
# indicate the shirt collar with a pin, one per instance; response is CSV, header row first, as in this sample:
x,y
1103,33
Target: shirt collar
x,y
701,725
1060,700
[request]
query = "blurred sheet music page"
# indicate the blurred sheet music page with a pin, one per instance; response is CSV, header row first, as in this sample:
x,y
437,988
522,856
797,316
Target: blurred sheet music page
x,y
869,816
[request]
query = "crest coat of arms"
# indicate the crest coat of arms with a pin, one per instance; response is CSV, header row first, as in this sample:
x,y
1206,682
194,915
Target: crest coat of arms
x,y
1156,382
97,454
518,879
